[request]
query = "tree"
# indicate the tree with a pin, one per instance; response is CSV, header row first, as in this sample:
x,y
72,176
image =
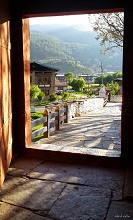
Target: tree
x,y
78,84
114,86
34,91
40,97
81,83
109,28
69,77
108,78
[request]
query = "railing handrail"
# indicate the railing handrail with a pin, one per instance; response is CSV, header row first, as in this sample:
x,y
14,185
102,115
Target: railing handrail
x,y
50,121
38,121
54,117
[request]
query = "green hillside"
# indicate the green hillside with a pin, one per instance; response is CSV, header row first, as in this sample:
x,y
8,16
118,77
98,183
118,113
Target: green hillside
x,y
70,49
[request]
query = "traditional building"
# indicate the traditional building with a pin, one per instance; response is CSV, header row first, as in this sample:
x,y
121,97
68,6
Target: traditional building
x,y
44,77
60,86
60,77
88,78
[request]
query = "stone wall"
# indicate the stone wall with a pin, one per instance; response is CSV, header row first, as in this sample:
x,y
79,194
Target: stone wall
x,y
78,108
116,98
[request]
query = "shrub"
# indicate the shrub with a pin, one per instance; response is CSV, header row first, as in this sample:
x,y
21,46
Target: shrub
x,y
34,91
65,96
40,97
52,97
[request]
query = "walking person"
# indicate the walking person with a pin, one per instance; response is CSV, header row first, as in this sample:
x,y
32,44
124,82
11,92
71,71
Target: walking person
x,y
109,96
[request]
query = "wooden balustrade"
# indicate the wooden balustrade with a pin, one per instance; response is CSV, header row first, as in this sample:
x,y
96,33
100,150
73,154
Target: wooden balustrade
x,y
51,121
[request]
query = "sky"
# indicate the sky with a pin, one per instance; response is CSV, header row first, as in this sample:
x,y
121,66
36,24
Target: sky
x,y
65,19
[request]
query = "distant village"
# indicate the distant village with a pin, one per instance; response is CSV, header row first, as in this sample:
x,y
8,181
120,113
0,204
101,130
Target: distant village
x,y
49,80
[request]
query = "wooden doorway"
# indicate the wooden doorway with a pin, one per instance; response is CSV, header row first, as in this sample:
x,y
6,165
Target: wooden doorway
x,y
5,100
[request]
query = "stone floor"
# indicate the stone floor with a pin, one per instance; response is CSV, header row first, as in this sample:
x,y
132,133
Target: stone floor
x,y
37,189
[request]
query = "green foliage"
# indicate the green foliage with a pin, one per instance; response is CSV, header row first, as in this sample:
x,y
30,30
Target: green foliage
x,y
38,138
90,92
33,117
53,97
69,77
108,78
94,85
34,91
73,51
81,83
98,80
43,103
36,115
78,84
52,51
114,86
74,84
65,96
40,97
91,89
37,127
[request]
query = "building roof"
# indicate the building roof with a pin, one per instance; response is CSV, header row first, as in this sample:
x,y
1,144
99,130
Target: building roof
x,y
118,79
60,84
40,67
60,74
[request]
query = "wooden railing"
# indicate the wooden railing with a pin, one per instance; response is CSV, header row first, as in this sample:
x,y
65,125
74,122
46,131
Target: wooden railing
x,y
50,121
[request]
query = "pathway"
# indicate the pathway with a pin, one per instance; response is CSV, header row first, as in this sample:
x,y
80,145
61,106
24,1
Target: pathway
x,y
96,133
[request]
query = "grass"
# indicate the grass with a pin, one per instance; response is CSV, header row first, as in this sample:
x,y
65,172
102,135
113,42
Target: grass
x,y
37,127
74,96
34,116
37,138
40,104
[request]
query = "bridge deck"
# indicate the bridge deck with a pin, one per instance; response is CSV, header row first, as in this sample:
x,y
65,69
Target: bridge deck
x,y
95,133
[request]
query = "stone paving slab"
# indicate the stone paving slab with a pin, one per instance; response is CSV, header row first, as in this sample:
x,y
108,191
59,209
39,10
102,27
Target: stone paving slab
x,y
69,141
10,212
23,166
81,203
120,210
95,143
91,176
53,190
78,150
128,184
31,194
37,217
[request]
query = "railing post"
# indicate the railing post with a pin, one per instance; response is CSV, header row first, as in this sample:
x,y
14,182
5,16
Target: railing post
x,y
46,124
66,113
57,117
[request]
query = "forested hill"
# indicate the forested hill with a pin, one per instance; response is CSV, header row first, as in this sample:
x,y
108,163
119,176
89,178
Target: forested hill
x,y
71,48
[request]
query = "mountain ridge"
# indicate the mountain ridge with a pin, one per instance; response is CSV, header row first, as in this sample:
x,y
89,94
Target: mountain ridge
x,y
71,50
